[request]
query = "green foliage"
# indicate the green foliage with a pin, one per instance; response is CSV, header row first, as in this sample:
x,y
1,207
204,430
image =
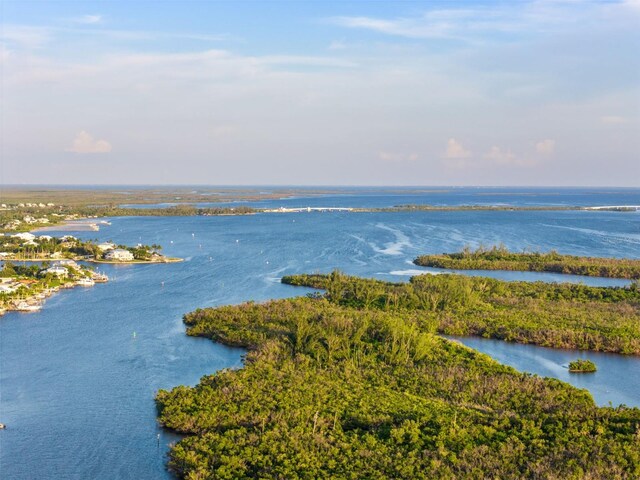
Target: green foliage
x,y
500,258
552,315
582,366
356,385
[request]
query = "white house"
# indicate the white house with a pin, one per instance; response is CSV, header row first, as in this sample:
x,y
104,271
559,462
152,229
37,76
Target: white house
x,y
119,254
106,246
45,238
56,270
24,236
67,263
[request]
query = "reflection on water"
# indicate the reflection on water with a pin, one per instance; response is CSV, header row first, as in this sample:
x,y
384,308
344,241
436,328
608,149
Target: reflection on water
x,y
616,381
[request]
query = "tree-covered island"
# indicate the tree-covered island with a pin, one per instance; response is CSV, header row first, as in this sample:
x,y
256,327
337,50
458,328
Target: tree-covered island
x,y
355,384
582,366
500,258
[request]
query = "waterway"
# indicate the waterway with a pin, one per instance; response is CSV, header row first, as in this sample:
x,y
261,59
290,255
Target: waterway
x,y
77,380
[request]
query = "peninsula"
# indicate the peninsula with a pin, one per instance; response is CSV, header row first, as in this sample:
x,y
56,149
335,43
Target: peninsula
x,y
27,247
24,288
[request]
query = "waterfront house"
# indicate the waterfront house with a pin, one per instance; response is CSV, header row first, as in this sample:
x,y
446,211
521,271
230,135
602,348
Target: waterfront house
x,y
56,270
24,236
106,246
67,263
119,254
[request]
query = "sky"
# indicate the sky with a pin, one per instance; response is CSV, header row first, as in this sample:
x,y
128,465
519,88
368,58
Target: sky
x,y
320,92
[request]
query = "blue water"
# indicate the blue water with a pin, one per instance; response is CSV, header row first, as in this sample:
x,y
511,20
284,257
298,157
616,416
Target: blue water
x,y
76,388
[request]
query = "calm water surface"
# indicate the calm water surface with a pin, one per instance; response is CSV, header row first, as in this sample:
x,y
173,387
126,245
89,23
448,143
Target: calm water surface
x,y
76,387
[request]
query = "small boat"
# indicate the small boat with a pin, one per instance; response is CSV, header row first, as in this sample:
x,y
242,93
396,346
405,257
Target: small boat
x,y
86,282
100,277
26,307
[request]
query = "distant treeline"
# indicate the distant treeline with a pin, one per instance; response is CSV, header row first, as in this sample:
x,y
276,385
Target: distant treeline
x,y
174,211
354,384
500,258
547,314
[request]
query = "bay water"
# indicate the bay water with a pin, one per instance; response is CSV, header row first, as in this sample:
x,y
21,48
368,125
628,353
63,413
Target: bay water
x,y
78,378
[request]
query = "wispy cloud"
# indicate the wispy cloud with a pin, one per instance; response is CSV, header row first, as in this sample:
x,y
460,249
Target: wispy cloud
x,y
337,45
499,20
85,143
441,23
397,157
88,19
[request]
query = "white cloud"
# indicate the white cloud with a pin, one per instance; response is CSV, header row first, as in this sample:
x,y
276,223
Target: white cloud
x,y
546,147
85,143
451,23
88,19
337,45
396,157
456,150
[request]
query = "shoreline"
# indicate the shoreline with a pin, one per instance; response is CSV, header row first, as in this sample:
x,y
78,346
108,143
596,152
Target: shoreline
x,y
88,260
70,226
34,302
134,262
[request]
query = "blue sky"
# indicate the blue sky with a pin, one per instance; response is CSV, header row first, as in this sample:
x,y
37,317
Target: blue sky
x,y
344,93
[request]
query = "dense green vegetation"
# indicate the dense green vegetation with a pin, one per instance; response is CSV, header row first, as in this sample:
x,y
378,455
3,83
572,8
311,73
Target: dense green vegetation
x,y
354,384
547,314
499,258
582,366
